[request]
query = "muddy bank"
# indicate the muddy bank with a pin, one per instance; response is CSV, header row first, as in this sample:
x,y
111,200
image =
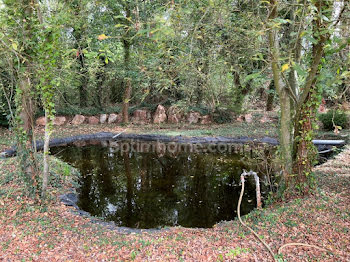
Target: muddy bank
x,y
322,145
147,138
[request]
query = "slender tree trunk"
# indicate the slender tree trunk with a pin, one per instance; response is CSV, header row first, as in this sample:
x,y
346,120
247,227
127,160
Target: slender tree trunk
x,y
240,93
46,155
286,130
127,80
83,80
270,97
127,95
79,33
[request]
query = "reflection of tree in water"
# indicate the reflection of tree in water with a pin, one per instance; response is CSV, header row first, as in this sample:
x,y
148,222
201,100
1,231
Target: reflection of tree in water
x,y
147,190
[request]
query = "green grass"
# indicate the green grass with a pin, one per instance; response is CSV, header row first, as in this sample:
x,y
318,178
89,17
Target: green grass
x,y
232,130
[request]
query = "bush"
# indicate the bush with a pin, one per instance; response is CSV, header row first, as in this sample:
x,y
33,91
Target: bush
x,y
4,121
333,117
222,116
203,110
150,107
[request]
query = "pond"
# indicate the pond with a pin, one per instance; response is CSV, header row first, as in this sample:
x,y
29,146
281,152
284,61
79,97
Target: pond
x,y
147,188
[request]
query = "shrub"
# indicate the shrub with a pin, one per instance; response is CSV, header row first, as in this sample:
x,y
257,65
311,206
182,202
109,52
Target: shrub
x,y
4,120
333,117
203,110
150,107
222,116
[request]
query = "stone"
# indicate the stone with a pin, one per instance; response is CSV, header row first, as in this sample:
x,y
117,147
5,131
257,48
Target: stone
x,y
193,117
206,120
93,120
103,118
78,120
346,106
265,119
141,116
160,115
174,115
115,118
240,118
322,108
59,120
245,118
248,118
40,121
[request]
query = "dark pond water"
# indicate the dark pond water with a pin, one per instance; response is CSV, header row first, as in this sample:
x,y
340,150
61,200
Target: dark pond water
x,y
157,189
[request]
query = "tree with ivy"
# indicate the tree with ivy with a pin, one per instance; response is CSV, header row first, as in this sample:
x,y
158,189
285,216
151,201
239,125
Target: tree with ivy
x,y
32,34
296,67
20,38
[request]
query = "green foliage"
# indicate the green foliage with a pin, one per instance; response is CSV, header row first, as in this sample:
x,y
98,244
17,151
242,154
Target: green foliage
x,y
4,121
144,105
202,109
334,118
222,116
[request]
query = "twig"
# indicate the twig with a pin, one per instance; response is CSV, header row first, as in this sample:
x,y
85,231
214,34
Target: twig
x,y
302,244
119,133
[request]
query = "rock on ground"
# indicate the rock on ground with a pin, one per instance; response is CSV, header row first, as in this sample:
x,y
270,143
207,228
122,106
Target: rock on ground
x,y
115,118
40,121
78,120
174,115
93,120
206,120
58,121
103,118
141,116
160,115
193,117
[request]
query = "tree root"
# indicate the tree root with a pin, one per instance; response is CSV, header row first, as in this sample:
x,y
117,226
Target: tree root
x,y
256,235
302,244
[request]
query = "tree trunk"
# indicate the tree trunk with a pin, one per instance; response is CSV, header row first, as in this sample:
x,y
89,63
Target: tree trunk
x,y
127,79
83,80
304,150
46,155
25,148
270,97
286,129
299,158
240,93
79,32
126,100
25,102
